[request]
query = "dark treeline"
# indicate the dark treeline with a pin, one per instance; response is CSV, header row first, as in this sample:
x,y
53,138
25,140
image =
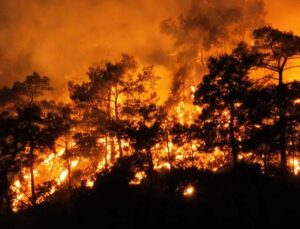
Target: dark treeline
x,y
244,109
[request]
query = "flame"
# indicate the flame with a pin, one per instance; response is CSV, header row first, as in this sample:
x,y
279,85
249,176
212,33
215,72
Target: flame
x,y
61,152
166,155
189,191
165,165
74,163
295,165
193,89
90,183
138,177
63,175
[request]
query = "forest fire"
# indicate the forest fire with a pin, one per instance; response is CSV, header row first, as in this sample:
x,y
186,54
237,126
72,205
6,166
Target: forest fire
x,y
187,153
213,98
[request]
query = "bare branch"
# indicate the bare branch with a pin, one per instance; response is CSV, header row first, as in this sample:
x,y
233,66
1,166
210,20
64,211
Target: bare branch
x,y
265,78
296,66
270,67
284,62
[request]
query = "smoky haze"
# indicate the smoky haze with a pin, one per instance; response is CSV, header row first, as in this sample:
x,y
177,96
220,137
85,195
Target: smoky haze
x,y
61,39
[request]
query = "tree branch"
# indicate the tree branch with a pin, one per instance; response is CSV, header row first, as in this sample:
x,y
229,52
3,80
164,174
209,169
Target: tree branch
x,y
267,78
296,66
270,67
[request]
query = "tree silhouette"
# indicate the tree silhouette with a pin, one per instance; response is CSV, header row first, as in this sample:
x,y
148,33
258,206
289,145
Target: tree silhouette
x,y
221,95
30,122
142,117
10,149
104,91
146,133
62,123
260,133
26,92
278,49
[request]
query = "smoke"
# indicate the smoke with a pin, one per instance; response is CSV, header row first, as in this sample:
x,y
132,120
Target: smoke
x,y
61,39
209,28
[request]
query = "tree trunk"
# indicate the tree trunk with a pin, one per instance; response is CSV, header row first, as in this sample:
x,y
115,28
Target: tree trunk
x,y
68,167
111,136
4,192
117,121
266,159
150,161
8,204
282,125
105,153
232,137
293,149
33,194
112,148
4,187
120,146
168,150
69,175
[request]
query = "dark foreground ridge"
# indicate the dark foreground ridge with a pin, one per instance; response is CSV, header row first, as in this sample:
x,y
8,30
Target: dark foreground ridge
x,y
239,198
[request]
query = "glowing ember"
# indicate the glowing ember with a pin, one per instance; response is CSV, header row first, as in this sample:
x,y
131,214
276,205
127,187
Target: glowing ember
x,y
139,176
90,184
17,184
165,165
189,191
296,166
53,189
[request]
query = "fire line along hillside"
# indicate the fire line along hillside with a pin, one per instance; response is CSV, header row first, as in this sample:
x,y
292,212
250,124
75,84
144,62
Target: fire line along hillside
x,y
222,149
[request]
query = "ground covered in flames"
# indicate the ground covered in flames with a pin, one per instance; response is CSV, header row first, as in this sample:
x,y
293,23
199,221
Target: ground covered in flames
x,y
240,197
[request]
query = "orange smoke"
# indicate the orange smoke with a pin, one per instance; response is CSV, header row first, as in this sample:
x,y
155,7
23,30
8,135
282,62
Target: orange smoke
x,y
61,39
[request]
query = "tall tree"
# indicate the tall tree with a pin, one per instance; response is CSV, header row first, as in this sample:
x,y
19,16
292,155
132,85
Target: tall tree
x,y
278,49
103,93
32,129
221,96
24,93
61,123
142,117
262,137
146,133
10,149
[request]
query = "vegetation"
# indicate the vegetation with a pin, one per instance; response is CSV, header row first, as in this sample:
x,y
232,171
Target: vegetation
x,y
115,154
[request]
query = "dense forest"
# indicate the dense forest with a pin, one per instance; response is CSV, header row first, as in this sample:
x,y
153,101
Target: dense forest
x,y
221,150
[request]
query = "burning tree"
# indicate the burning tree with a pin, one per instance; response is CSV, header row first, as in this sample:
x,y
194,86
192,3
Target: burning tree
x,y
116,113
10,149
102,95
221,95
28,129
278,49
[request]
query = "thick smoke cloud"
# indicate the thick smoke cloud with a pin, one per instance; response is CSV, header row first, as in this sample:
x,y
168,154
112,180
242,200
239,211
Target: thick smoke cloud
x,y
61,39
210,28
